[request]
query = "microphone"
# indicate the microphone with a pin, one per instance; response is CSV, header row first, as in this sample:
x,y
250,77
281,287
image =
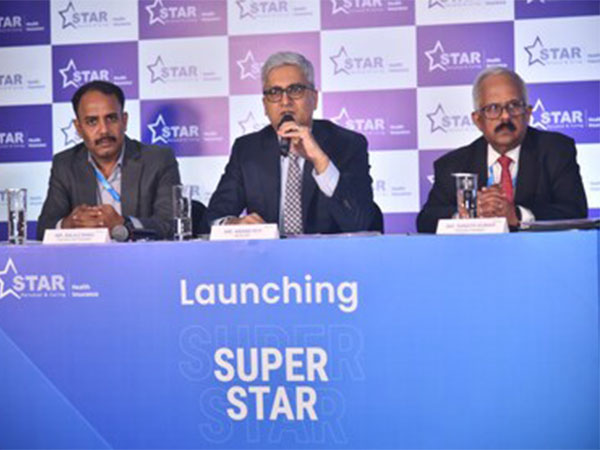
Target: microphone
x,y
127,232
284,143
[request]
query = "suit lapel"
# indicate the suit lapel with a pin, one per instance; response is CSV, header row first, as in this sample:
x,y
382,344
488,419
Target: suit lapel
x,y
85,180
271,179
131,174
527,177
479,162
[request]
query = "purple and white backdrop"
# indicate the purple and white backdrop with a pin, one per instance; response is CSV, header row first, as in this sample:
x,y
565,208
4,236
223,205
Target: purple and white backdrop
x,y
398,71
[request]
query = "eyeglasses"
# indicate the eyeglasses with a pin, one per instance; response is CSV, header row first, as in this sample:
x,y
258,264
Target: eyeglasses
x,y
494,110
294,91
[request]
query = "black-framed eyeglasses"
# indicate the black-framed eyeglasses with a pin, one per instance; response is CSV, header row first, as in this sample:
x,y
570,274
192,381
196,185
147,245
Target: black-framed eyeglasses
x,y
294,91
514,108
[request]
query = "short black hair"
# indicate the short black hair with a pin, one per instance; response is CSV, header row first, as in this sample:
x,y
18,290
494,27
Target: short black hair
x,y
101,86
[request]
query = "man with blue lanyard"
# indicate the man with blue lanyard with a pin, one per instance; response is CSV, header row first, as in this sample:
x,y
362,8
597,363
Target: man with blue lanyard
x,y
526,174
109,179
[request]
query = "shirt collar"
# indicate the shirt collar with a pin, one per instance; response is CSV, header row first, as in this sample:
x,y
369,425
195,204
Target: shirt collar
x,y
119,161
493,155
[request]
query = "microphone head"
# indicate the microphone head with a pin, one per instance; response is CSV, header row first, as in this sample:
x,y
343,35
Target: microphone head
x,y
119,233
284,143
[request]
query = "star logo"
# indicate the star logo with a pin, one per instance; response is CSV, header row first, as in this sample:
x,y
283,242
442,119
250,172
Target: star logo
x,y
68,74
155,70
156,129
70,133
67,16
337,6
10,266
431,178
534,52
249,124
342,118
435,57
338,61
434,3
538,109
436,118
244,9
154,11
248,66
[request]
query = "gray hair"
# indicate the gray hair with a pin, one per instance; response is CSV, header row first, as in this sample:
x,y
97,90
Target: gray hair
x,y
288,59
491,71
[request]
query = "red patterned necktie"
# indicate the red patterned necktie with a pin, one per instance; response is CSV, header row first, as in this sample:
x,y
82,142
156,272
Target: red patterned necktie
x,y
505,178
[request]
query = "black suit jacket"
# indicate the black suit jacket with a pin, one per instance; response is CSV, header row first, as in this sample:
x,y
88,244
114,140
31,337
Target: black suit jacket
x,y
148,172
548,181
252,181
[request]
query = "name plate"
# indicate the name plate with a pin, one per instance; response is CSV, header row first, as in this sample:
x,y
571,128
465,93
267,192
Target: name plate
x,y
233,232
492,225
77,236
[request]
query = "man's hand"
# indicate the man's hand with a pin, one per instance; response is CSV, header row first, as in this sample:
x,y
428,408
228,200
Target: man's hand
x,y
250,219
85,216
303,143
491,202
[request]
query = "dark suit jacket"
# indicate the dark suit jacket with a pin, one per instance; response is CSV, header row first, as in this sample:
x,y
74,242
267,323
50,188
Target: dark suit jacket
x,y
252,181
548,181
148,172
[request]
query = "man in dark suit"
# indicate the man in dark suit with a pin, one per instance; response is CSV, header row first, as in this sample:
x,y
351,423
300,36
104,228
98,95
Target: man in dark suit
x,y
525,174
309,176
109,179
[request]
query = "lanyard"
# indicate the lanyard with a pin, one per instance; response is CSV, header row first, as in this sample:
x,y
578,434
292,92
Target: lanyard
x,y
111,190
490,179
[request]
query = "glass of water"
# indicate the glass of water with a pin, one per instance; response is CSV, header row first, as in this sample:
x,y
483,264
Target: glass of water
x,y
16,201
182,211
466,194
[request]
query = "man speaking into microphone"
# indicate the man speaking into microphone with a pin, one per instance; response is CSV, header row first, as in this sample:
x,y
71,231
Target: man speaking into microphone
x,y
309,176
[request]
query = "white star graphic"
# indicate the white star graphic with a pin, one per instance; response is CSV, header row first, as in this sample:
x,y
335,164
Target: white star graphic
x,y
431,178
337,6
155,70
10,265
435,54
157,134
250,124
436,118
538,108
339,66
433,3
534,50
70,133
67,74
249,67
67,16
155,15
244,9
342,118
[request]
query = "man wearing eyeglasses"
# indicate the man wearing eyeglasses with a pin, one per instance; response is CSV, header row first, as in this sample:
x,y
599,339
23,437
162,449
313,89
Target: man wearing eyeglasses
x,y
308,176
524,174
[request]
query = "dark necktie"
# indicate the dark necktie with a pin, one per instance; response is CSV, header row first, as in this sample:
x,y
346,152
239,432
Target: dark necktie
x,y
292,205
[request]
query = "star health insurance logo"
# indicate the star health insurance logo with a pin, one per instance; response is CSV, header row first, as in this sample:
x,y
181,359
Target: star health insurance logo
x,y
557,119
338,61
67,16
157,129
436,119
250,124
156,69
339,6
70,134
245,8
74,77
154,11
5,274
535,52
435,57
249,67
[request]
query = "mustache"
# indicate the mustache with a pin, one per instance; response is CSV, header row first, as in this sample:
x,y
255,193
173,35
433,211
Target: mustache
x,y
505,125
105,139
